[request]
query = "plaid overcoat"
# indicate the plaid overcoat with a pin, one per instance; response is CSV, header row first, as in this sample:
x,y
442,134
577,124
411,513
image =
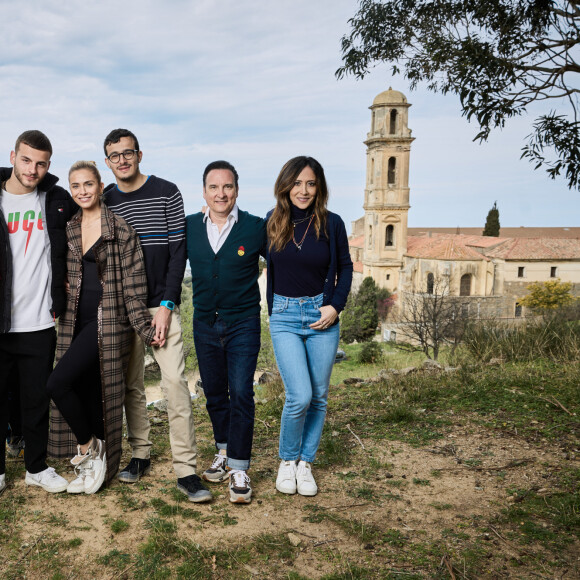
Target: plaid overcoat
x,y
121,269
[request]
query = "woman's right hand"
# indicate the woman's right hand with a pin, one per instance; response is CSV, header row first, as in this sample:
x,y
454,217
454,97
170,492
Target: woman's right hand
x,y
158,343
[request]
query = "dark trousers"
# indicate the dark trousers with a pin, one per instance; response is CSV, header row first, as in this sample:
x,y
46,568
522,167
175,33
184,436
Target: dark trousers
x,y
227,357
27,357
75,385
15,415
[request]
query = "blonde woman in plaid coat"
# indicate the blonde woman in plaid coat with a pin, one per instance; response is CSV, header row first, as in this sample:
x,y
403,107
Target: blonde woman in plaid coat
x,y
106,301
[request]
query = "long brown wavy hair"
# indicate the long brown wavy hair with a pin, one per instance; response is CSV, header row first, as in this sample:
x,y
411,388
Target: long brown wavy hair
x,y
280,227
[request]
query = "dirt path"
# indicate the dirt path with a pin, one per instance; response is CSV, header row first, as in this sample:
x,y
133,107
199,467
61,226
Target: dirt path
x,y
383,506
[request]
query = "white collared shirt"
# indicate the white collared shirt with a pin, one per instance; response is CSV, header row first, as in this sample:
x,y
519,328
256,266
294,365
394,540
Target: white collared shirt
x,y
215,237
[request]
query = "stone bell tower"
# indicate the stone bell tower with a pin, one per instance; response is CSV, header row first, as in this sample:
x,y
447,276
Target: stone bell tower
x,y
387,189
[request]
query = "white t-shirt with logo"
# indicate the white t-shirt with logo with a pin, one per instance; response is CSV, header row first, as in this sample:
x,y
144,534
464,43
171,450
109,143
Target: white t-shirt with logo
x,y
30,247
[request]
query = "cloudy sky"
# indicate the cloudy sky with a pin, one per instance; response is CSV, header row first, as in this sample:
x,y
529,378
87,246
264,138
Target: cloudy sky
x,y
252,83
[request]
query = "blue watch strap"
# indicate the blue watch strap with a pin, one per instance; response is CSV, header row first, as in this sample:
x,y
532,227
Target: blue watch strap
x,y
168,304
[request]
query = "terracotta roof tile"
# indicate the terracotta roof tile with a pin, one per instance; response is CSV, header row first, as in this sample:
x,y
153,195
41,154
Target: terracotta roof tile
x,y
505,232
537,249
445,247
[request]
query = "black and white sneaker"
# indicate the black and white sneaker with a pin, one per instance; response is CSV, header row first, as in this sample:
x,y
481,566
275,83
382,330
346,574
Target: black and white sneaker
x,y
218,471
136,468
192,487
240,490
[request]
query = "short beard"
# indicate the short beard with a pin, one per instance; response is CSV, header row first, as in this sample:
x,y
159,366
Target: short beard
x,y
18,176
127,178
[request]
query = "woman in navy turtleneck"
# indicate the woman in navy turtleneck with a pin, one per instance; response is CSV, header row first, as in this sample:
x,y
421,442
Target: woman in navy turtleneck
x,y
309,278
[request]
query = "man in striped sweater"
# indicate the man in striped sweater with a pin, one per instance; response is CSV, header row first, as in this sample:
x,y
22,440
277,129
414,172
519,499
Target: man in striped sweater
x,y
154,207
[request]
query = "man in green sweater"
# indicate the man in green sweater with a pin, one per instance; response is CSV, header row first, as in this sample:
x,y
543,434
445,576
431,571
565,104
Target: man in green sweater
x,y
224,244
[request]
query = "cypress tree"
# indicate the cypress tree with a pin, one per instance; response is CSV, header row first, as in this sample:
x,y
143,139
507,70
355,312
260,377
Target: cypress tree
x,y
360,318
492,222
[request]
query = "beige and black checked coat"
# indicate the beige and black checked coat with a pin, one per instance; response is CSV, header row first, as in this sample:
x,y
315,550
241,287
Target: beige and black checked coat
x,y
123,308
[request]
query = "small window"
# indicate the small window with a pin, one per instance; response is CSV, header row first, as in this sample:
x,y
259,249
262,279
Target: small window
x,y
388,276
521,271
370,236
393,123
465,285
372,176
391,172
390,236
518,311
373,123
553,272
430,283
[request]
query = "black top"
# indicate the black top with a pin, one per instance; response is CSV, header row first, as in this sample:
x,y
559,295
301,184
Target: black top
x,y
91,290
301,272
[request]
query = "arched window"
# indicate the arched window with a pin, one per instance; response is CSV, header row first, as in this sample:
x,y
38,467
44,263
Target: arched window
x,y
370,236
390,236
372,170
430,283
465,285
391,173
393,123
373,123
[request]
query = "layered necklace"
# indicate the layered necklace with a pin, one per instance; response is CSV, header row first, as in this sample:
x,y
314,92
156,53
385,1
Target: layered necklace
x,y
296,222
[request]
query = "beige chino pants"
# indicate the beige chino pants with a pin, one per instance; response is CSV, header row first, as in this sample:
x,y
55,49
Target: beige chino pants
x,y
181,428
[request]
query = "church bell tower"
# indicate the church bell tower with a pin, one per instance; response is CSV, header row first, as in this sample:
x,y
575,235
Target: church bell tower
x,y
386,202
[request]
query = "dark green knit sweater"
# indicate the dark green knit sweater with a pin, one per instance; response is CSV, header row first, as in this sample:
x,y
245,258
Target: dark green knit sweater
x,y
226,283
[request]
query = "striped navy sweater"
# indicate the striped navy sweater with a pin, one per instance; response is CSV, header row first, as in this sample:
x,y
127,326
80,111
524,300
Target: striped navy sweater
x,y
155,210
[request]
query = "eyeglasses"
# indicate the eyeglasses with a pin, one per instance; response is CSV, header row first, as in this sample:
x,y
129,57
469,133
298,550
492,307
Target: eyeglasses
x,y
127,155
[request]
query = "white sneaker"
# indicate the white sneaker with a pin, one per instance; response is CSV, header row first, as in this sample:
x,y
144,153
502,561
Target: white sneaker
x,y
95,468
286,480
2,482
79,461
77,485
80,457
305,484
48,479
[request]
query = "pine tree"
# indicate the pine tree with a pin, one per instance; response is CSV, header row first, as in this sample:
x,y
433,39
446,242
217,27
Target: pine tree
x,y
492,222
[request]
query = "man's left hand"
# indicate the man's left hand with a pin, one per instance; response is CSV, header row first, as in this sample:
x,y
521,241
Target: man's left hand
x,y
161,322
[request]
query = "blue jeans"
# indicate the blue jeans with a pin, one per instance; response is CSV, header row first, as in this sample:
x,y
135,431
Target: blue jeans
x,y
227,357
305,358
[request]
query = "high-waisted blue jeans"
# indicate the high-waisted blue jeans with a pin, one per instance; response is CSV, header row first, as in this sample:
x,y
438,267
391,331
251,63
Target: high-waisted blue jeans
x,y
305,358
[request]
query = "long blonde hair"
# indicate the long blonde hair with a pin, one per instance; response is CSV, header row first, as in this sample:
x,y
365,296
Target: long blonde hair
x,y
280,227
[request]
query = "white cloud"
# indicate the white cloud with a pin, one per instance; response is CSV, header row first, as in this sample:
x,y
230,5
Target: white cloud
x,y
253,84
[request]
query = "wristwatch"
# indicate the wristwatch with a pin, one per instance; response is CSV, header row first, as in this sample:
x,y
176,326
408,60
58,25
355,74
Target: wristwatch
x,y
168,304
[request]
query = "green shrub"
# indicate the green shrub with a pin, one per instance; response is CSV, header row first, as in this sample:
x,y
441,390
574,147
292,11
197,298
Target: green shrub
x,y
360,318
371,353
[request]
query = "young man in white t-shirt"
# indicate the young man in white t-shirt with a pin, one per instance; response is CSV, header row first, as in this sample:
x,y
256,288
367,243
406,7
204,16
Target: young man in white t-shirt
x,y
33,215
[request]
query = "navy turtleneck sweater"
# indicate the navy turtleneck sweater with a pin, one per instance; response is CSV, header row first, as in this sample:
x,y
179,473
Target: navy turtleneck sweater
x,y
298,273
